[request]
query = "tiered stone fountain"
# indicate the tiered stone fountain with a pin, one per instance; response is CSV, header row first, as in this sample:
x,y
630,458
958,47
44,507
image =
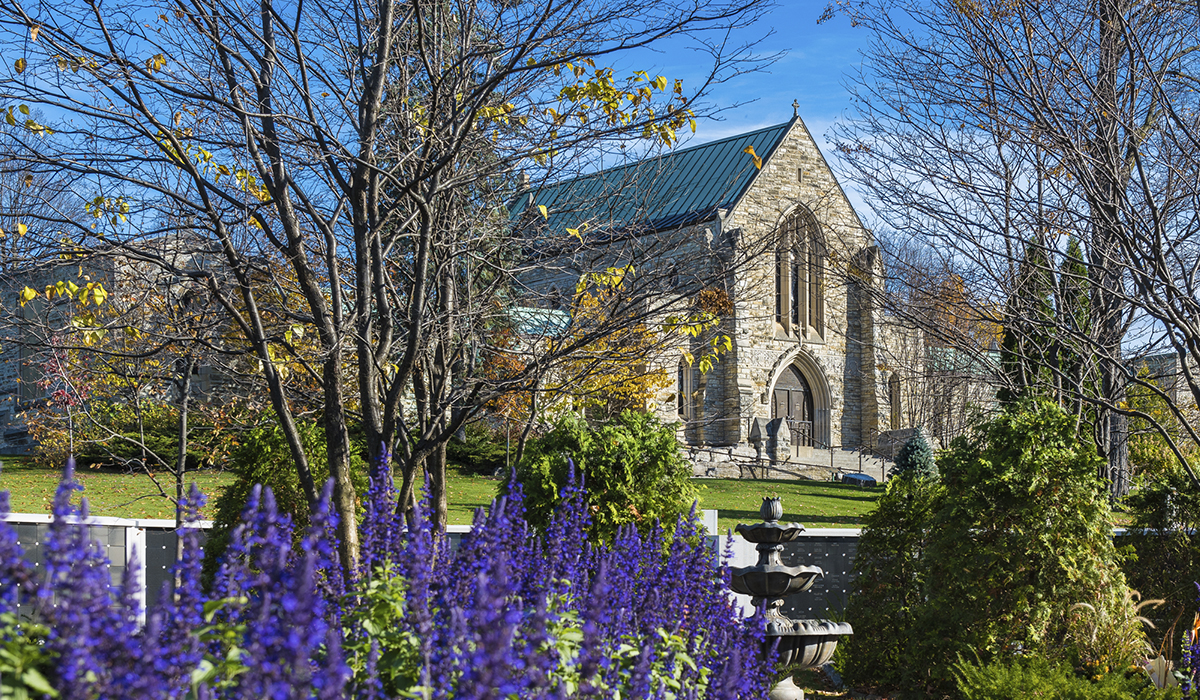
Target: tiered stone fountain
x,y
806,643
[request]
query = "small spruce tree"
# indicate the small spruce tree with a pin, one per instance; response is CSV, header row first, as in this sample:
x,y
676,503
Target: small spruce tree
x,y
915,458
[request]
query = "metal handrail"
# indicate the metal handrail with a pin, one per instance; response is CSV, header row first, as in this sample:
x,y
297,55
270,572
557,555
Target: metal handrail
x,y
803,428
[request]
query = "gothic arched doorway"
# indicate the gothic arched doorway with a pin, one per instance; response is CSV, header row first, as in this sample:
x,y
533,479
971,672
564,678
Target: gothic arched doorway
x,y
792,400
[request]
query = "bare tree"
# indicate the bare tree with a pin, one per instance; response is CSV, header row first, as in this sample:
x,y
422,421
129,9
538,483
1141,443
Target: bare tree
x,y
360,155
994,133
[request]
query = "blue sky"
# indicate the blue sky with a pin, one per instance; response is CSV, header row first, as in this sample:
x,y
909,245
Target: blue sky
x,y
816,63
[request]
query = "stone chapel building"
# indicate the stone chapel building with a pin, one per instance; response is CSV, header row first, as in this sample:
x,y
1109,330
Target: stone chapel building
x,y
811,378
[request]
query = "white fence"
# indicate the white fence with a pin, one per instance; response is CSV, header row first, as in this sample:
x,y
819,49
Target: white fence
x,y
153,541
155,544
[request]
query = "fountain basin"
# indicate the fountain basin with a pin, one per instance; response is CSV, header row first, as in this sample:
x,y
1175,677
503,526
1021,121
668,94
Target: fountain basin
x,y
806,643
773,580
770,532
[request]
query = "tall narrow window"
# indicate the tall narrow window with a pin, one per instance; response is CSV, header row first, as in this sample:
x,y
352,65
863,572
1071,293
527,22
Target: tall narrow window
x,y
816,283
894,400
780,285
797,275
800,277
686,382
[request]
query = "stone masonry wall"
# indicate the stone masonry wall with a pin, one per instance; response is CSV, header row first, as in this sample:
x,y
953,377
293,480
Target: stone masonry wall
x,y
796,175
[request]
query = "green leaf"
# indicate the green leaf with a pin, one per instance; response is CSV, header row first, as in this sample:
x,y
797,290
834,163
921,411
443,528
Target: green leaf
x,y
34,680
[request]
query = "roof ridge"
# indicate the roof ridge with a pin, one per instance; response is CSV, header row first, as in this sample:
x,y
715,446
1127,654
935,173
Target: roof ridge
x,y
734,137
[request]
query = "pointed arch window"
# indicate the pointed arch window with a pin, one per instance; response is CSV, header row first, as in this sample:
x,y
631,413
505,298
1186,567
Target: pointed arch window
x,y
800,277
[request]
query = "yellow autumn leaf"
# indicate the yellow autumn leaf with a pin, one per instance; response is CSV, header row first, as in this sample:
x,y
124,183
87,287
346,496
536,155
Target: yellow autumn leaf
x,y
545,213
753,155
28,294
99,294
20,65
33,32
22,229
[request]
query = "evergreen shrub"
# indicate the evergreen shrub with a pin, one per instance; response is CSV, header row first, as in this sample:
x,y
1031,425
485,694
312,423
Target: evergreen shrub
x,y
1036,677
915,457
1011,554
1163,541
262,458
632,467
483,452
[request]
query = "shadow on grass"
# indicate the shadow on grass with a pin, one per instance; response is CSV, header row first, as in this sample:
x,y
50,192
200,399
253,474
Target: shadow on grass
x,y
810,521
797,489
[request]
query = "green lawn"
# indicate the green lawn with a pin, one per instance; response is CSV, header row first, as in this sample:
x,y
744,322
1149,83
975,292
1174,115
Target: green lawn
x,y
815,504
466,492
31,490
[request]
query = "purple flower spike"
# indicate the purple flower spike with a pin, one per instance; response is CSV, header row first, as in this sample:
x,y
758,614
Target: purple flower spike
x,y
505,612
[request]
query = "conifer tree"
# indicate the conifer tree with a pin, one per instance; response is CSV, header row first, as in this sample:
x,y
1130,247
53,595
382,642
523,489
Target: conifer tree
x,y
1074,327
1028,340
915,458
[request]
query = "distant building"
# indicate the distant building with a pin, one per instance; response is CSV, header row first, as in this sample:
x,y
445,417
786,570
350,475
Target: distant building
x,y
29,329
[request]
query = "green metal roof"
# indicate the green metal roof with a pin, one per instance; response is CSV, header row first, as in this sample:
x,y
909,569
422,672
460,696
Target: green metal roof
x,y
533,321
954,360
674,189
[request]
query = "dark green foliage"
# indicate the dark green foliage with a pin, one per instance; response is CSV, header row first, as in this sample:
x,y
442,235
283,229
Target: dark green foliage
x,y
484,452
374,626
1018,533
1023,534
1027,346
632,467
888,590
262,457
112,434
1165,539
1038,678
915,458
25,660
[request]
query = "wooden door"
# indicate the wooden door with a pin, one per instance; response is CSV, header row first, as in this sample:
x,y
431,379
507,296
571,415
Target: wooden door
x,y
793,401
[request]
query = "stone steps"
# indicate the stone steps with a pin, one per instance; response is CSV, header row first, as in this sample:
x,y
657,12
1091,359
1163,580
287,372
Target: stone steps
x,y
813,464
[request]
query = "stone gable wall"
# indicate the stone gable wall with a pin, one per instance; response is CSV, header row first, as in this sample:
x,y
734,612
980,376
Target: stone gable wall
x,y
796,175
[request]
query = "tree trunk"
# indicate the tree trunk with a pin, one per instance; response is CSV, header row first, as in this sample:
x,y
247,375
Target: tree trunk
x,y
337,441
437,487
184,386
524,439
1108,184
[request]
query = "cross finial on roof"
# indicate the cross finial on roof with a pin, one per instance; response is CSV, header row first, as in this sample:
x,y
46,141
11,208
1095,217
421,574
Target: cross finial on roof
x,y
795,108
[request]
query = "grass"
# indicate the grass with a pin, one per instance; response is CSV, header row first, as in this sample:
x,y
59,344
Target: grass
x,y
465,492
31,489
815,504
